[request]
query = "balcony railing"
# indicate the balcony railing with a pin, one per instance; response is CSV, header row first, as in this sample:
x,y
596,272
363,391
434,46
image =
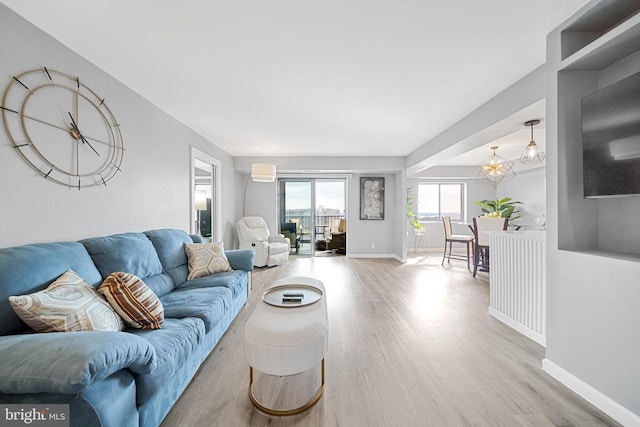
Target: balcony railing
x,y
322,227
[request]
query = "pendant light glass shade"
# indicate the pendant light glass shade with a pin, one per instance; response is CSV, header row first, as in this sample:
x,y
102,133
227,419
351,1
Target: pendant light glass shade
x,y
495,168
532,153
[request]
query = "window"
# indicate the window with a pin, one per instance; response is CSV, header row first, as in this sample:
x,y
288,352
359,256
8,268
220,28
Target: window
x,y
438,200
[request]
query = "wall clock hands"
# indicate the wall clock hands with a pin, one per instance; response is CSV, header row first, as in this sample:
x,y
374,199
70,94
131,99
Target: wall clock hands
x,y
84,140
35,119
77,98
75,132
26,116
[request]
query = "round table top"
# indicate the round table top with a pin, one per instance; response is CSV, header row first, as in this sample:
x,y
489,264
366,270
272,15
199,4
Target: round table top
x,y
292,295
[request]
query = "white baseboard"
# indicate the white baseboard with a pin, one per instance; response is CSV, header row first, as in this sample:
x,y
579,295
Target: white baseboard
x,y
374,256
529,333
591,395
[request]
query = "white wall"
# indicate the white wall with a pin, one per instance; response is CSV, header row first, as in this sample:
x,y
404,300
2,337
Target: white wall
x,y
153,189
530,189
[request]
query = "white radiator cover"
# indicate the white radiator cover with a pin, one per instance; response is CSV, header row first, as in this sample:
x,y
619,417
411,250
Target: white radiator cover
x,y
518,278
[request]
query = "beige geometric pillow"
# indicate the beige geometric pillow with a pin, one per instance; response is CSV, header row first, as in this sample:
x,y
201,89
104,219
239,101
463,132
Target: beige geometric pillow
x,y
133,300
68,304
205,259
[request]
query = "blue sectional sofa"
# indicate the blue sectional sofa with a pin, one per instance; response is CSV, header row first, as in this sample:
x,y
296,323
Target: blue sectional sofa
x,y
129,378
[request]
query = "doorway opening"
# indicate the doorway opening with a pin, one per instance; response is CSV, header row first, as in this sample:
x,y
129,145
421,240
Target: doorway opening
x,y
313,214
205,193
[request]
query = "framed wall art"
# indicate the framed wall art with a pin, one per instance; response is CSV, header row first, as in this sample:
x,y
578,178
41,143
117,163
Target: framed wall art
x,y
371,197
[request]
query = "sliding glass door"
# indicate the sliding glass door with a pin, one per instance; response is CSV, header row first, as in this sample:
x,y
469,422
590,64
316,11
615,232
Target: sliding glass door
x,y
316,206
296,200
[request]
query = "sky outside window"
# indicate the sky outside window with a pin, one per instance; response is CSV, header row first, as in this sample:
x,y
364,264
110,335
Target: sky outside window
x,y
329,194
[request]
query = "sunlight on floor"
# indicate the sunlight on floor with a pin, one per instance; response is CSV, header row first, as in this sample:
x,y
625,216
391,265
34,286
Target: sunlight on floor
x,y
430,292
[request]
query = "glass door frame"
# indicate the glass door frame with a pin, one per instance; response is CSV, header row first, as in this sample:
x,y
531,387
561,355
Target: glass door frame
x,y
197,158
282,211
344,179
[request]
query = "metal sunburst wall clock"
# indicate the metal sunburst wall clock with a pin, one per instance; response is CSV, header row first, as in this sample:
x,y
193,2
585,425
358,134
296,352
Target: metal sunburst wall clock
x,y
62,128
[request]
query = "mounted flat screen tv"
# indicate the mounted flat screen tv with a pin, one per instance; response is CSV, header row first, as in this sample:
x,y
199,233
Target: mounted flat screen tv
x,y
611,140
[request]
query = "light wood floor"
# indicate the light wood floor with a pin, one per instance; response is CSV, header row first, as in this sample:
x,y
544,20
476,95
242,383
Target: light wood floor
x,y
409,345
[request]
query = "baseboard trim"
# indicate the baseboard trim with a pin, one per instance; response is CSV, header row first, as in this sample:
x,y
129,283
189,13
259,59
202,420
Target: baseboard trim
x,y
527,332
591,395
374,256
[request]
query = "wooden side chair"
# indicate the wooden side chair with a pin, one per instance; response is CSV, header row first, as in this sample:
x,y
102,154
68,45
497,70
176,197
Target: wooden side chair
x,y
450,239
481,227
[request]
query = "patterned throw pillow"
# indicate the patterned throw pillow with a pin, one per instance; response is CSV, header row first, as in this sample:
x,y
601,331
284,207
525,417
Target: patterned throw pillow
x,y
68,304
205,259
133,300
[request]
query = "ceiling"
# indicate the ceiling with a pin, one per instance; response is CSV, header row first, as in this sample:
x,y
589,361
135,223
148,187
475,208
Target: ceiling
x,y
295,78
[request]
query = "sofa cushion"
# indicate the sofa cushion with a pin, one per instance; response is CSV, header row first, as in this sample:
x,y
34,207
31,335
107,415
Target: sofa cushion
x,y
176,343
134,301
233,280
30,268
131,253
205,259
169,244
69,304
67,363
208,304
160,284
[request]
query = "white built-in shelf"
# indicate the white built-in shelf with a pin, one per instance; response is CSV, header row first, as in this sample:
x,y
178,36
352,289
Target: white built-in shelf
x,y
609,254
612,46
605,17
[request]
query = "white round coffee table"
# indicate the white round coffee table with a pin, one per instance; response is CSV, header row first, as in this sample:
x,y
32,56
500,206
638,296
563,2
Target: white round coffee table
x,y
287,334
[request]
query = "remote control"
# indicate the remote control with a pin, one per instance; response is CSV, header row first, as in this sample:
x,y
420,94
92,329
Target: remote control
x,y
293,295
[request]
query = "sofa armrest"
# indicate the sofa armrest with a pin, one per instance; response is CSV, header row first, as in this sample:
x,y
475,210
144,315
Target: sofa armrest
x,y
68,362
241,259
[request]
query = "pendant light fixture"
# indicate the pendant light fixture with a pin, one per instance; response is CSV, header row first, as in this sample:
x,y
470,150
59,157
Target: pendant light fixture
x,y
495,168
532,153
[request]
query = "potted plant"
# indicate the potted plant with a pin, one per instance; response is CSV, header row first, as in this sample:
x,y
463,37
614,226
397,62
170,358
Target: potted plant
x,y
500,208
418,228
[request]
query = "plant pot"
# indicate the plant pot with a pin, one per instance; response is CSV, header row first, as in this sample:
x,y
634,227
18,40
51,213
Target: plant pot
x,y
419,231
